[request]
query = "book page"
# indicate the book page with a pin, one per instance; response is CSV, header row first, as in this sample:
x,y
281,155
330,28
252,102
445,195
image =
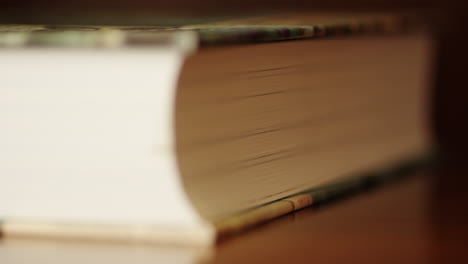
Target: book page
x,y
87,138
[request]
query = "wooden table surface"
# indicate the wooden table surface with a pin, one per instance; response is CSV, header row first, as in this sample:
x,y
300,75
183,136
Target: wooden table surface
x,y
394,223
390,224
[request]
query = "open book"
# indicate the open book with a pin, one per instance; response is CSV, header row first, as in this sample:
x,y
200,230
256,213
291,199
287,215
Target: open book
x,y
165,134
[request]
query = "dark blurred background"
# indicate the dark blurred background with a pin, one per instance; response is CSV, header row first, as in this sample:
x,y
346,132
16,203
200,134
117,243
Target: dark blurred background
x,y
147,11
448,20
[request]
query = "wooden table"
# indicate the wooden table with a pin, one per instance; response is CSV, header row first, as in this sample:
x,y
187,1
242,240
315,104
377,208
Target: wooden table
x,y
395,223
391,224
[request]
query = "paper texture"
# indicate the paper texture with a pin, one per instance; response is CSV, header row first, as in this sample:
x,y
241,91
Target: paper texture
x,y
87,137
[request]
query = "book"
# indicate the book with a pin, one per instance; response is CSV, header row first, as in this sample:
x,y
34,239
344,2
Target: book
x,y
179,134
